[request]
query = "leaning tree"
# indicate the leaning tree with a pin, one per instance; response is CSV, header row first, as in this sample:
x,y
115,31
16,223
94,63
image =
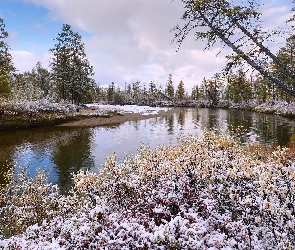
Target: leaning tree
x,y
237,24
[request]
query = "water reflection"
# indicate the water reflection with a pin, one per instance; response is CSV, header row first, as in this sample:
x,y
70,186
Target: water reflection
x,y
170,125
71,155
56,150
61,151
181,118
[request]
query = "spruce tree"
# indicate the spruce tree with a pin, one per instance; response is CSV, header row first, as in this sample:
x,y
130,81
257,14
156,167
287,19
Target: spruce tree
x,y
6,64
71,69
169,91
180,92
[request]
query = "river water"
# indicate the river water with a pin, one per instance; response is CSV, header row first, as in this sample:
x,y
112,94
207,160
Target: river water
x,y
61,151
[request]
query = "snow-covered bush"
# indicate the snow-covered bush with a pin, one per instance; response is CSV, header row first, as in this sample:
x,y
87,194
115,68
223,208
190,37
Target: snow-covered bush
x,y
45,105
29,201
204,193
279,107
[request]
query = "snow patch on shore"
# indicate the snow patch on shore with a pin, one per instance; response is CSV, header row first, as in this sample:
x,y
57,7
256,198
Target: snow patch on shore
x,y
143,110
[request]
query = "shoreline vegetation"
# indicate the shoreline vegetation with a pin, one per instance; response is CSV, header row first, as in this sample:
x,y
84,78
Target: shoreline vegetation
x,y
207,192
23,115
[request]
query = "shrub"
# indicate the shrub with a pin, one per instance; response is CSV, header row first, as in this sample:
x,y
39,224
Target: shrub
x,y
203,193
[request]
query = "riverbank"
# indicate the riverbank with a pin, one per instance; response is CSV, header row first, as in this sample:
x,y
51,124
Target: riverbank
x,y
16,115
23,115
90,119
282,108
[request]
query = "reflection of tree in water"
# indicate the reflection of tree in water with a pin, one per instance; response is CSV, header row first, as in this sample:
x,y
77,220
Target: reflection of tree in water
x,y
283,135
239,123
206,118
136,124
70,149
196,117
8,142
71,155
4,167
181,118
170,124
273,128
213,119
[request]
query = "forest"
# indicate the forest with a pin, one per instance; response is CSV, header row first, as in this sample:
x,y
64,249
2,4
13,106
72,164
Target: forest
x,y
69,79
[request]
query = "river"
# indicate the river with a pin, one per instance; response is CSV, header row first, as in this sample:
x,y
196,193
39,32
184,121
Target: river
x,y
61,151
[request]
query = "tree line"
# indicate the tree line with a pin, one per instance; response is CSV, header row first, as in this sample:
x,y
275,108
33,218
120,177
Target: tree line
x,y
69,77
237,26
236,86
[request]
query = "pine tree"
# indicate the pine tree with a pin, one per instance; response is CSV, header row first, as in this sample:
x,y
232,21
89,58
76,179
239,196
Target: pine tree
x,y
169,91
25,86
111,92
262,88
71,69
196,94
6,65
180,92
239,87
212,89
5,89
136,91
152,92
43,80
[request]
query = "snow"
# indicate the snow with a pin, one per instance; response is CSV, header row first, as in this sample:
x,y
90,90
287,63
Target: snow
x,y
143,110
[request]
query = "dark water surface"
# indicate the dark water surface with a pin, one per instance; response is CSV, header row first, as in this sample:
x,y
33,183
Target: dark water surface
x,y
61,151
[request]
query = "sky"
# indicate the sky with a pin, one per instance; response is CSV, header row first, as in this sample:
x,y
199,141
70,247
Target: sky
x,y
125,40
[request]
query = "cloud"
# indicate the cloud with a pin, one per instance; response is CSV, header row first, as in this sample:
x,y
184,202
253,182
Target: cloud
x,y
26,61
130,40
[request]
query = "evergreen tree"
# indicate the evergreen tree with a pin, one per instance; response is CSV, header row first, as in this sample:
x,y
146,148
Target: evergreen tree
x,y
169,91
196,93
25,86
119,97
144,94
71,69
180,92
102,93
129,92
43,81
262,87
136,91
111,92
6,65
152,92
5,89
239,87
212,89
33,85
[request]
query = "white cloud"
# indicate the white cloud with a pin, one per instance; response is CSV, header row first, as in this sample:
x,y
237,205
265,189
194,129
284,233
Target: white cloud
x,y
25,61
131,40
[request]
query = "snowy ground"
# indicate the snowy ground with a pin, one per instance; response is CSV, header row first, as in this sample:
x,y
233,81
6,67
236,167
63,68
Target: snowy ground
x,y
143,110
